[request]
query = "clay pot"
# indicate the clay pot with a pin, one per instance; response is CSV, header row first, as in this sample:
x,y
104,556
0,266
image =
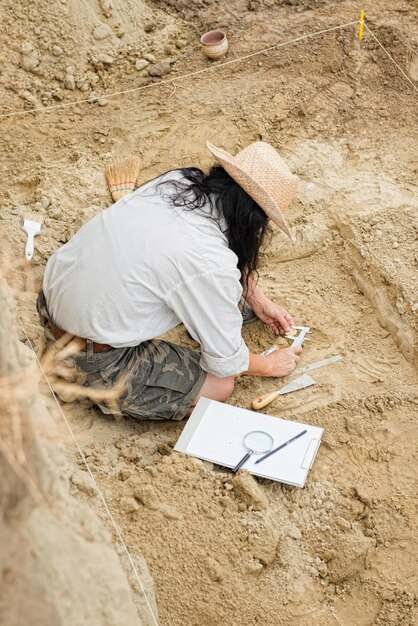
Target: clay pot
x,y
214,44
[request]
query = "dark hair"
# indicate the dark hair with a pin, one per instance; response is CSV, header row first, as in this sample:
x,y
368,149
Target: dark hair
x,y
247,222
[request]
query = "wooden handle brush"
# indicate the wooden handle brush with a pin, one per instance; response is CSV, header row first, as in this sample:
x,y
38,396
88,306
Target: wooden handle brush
x,y
122,175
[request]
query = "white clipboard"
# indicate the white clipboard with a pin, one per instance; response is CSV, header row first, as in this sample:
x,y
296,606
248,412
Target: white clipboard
x,y
215,432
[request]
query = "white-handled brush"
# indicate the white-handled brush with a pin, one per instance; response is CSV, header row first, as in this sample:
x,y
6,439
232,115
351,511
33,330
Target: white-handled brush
x,y
32,227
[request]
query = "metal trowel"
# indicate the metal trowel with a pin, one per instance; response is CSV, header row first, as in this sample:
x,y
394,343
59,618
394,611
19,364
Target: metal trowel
x,y
299,383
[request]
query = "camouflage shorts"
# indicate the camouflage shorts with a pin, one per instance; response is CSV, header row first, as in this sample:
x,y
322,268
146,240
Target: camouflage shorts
x,y
159,380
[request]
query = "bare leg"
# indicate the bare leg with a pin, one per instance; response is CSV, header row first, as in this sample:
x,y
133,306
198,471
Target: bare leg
x,y
215,388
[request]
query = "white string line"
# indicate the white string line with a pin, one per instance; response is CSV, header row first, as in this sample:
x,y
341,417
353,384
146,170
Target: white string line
x,y
177,78
102,498
391,58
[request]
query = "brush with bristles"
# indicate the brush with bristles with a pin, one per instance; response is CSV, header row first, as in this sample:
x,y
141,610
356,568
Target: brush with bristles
x,y
122,175
32,227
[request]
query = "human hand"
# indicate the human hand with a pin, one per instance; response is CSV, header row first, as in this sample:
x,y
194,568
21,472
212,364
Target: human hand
x,y
282,362
275,316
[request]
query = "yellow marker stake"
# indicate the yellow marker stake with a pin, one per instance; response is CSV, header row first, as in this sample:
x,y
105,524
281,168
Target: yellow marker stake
x,y
360,30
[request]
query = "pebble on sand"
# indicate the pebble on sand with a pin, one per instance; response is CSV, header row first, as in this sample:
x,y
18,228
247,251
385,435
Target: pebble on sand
x,y
159,70
82,480
101,32
128,504
250,491
105,58
69,82
141,64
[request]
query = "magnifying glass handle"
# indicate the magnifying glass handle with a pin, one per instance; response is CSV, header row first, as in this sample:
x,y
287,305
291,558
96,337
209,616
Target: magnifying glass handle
x,y
243,460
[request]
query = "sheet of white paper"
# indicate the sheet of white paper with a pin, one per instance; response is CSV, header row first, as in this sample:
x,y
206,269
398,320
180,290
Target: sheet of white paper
x,y
219,436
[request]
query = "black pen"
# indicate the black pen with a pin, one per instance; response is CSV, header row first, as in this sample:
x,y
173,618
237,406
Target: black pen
x,y
280,447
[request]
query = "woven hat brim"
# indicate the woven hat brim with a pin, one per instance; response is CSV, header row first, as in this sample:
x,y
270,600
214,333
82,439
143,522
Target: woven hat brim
x,y
252,187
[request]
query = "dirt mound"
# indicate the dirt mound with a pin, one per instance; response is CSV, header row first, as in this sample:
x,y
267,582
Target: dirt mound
x,y
59,51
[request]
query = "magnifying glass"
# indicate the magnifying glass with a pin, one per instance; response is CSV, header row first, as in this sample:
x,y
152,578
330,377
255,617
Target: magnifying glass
x,y
256,441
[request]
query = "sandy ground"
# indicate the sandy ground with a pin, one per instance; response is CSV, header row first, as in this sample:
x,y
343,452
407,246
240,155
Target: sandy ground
x,y
239,551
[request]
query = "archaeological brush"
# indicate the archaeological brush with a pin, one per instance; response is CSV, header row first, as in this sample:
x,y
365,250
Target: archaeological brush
x,y
122,175
32,227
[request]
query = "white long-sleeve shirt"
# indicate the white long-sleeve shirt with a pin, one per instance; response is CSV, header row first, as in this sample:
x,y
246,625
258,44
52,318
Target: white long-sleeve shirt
x,y
142,266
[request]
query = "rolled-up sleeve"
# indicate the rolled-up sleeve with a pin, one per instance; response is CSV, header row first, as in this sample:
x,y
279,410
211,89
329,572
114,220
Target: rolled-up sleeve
x,y
207,304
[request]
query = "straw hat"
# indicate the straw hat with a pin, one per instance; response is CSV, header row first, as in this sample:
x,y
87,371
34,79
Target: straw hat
x,y
264,175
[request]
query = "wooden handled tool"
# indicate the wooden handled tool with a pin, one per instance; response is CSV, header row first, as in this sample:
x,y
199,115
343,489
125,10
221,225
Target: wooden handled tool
x,y
298,383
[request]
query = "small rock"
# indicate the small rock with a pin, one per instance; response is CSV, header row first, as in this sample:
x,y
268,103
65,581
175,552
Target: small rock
x,y
125,474
150,57
128,504
250,491
26,48
160,69
351,557
29,62
170,50
141,64
343,523
170,512
44,202
400,305
395,244
101,32
150,26
254,566
362,495
380,406
164,449
214,569
58,94
147,495
83,481
106,59
107,7
322,570
126,452
102,102
294,532
264,545
57,51
69,82
28,97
